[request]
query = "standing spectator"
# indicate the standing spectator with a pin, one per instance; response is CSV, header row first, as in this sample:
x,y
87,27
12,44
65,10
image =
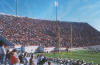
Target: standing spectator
x,y
41,59
13,58
8,54
78,62
31,61
2,52
25,61
49,63
21,58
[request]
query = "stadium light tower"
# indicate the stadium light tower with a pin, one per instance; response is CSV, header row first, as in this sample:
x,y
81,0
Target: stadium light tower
x,y
56,5
16,7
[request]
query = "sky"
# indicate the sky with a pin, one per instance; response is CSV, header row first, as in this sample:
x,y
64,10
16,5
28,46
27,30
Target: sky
x,y
68,10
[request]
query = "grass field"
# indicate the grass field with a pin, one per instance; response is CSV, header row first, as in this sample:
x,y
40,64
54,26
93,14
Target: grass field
x,y
87,56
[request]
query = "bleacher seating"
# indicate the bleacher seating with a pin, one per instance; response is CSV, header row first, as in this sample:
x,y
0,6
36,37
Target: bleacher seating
x,y
28,31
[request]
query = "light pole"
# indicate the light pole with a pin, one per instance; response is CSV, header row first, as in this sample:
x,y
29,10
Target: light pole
x,y
56,5
58,25
16,7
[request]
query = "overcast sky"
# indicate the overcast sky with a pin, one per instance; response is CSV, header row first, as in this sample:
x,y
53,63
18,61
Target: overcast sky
x,y
68,10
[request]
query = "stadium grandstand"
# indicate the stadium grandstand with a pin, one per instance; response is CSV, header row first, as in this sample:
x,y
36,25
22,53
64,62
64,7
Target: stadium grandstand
x,y
27,31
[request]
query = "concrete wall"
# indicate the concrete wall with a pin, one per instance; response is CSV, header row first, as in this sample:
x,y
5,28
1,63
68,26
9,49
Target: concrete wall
x,y
94,48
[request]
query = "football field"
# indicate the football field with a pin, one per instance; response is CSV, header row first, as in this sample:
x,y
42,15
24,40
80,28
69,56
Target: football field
x,y
82,55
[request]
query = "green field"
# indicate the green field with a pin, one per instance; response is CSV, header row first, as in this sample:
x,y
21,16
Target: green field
x,y
87,56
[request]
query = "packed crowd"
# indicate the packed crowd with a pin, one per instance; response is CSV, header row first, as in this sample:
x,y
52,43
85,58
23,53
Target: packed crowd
x,y
15,57
70,61
27,31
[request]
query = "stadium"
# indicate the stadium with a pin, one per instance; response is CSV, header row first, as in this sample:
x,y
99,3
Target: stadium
x,y
60,41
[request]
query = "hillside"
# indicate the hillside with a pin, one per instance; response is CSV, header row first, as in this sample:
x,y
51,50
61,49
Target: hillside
x,y
27,31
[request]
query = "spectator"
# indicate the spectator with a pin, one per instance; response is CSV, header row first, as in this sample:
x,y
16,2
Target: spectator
x,y
49,63
41,59
8,54
2,52
13,58
31,61
21,58
25,61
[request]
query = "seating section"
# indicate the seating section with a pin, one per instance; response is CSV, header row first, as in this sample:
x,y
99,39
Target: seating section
x,y
28,31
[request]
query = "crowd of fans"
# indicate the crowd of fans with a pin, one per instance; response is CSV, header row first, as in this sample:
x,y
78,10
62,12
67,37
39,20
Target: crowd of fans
x,y
15,57
27,31
70,61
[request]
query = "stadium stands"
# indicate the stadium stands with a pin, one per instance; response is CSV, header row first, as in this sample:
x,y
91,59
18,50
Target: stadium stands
x,y
5,41
27,31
